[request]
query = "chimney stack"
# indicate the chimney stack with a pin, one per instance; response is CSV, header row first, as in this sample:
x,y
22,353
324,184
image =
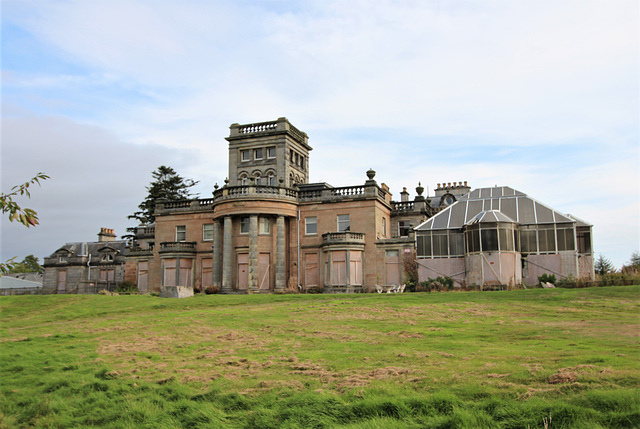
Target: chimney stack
x,y
106,234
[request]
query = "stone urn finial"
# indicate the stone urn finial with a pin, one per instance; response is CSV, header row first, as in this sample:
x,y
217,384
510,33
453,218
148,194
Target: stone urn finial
x,y
215,187
226,181
371,173
419,189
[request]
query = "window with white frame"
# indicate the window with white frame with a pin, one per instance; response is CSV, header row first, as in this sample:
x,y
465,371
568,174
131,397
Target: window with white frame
x,y
344,223
271,152
245,155
271,179
257,154
181,233
264,225
207,232
257,177
244,225
311,225
244,180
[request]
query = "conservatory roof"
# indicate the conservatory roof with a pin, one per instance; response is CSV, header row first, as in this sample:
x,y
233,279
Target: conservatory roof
x,y
490,216
498,203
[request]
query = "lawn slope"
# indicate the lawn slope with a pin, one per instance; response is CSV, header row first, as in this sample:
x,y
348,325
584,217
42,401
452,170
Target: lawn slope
x,y
495,359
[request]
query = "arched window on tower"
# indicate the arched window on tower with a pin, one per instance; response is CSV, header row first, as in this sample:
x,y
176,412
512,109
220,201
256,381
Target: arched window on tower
x,y
271,179
258,177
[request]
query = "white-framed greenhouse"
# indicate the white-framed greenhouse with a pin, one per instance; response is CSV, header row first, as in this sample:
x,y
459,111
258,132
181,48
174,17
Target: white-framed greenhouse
x,y
502,236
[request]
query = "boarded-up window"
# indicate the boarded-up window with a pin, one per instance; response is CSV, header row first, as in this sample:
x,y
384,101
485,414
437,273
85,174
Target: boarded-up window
x,y
392,264
264,275
143,276
339,268
185,272
311,269
207,273
169,278
243,271
355,267
62,281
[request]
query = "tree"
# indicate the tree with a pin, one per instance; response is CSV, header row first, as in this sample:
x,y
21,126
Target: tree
x,y
29,264
633,265
168,185
25,216
603,265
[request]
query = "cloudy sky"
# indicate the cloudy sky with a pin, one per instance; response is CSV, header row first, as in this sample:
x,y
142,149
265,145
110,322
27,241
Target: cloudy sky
x,y
542,96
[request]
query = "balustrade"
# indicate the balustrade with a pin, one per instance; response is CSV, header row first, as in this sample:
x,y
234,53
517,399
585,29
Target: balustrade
x,y
259,127
342,237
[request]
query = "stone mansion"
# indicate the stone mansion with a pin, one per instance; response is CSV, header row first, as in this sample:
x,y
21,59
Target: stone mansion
x,y
268,229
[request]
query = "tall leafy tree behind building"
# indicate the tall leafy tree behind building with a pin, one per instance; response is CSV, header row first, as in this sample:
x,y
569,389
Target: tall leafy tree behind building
x,y
29,264
168,185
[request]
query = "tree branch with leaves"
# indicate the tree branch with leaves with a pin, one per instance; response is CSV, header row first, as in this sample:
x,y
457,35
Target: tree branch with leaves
x,y
27,217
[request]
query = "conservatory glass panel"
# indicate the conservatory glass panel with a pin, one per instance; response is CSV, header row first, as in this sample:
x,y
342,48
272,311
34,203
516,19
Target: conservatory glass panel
x,y
584,240
473,240
506,238
565,238
508,207
525,211
544,214
440,245
457,215
456,244
489,239
546,238
424,245
528,237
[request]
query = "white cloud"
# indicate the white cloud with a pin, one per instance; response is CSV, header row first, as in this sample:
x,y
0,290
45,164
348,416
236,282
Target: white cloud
x,y
382,85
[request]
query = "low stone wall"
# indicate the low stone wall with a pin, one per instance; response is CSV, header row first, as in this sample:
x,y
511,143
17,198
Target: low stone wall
x,y
176,292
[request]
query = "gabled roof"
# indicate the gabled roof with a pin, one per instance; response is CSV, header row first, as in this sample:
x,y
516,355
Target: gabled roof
x,y
93,248
510,203
490,216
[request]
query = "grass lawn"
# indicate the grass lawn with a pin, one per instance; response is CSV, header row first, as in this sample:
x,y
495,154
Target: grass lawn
x,y
559,358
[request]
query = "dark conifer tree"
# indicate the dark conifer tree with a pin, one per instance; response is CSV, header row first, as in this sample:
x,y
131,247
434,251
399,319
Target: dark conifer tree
x,y
168,185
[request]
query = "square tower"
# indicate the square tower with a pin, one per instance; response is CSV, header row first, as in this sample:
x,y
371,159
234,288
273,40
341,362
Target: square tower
x,y
268,154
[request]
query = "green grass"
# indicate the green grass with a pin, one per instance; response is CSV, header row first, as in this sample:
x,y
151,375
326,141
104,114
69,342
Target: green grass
x,y
439,360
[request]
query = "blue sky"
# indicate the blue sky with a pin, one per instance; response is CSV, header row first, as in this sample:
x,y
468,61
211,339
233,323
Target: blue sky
x,y
542,96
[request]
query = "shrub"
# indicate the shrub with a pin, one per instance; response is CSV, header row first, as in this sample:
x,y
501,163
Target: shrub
x,y
438,284
126,287
212,290
546,278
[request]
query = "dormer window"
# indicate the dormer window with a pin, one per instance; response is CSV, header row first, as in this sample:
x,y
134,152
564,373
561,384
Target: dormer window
x,y
107,257
63,258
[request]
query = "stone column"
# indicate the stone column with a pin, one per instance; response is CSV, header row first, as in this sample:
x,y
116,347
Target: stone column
x,y
217,253
281,278
254,284
227,257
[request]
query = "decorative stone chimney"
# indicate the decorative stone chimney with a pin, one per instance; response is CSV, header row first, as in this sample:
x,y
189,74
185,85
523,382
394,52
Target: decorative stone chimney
x,y
404,195
106,234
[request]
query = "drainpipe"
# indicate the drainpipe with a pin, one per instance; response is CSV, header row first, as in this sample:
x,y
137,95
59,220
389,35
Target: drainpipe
x,y
298,234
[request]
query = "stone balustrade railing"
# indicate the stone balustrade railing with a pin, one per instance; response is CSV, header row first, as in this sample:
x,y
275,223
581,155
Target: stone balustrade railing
x,y
275,192
346,236
403,206
177,246
258,127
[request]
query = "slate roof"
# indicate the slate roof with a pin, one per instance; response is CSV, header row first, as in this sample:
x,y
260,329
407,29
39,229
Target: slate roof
x,y
509,203
7,282
94,249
